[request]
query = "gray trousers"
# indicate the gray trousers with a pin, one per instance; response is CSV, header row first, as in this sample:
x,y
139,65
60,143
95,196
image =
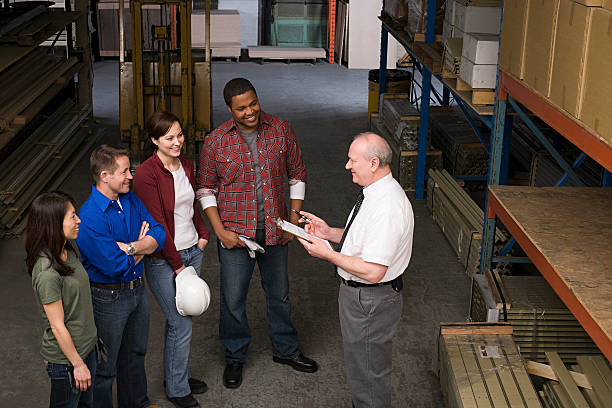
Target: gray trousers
x,y
369,317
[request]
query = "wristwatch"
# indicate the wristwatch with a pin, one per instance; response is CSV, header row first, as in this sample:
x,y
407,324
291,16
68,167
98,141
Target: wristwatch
x,y
131,250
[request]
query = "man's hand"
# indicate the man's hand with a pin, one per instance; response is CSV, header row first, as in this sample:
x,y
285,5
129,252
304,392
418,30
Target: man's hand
x,y
317,248
317,226
229,239
82,377
144,228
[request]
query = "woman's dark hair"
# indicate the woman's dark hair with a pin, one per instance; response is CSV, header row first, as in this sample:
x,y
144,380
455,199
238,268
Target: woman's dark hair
x,y
157,125
45,231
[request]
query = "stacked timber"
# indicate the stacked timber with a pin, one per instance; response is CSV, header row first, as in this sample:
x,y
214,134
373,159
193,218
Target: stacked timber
x,y
464,154
459,218
27,86
41,163
540,320
404,162
400,119
480,366
589,384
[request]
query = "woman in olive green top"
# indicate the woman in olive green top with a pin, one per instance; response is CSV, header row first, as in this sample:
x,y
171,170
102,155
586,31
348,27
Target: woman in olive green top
x,y
62,291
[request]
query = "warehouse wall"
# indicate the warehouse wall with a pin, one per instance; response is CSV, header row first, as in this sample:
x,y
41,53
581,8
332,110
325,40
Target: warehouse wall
x,y
249,19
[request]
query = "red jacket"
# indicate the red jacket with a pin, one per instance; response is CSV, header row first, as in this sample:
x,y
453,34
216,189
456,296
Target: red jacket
x,y
154,185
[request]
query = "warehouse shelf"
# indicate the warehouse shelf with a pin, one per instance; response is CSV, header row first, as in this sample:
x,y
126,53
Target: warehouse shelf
x,y
571,251
428,70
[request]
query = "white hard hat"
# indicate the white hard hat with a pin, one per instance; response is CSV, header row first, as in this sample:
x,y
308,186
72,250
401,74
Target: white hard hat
x,y
192,293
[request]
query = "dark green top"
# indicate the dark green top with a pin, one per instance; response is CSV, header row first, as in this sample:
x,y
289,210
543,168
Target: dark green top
x,y
49,286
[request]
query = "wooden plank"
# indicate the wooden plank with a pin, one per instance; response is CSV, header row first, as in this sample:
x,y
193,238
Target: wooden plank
x,y
458,370
592,372
474,375
546,371
502,367
494,290
566,380
483,96
562,397
589,394
604,370
520,373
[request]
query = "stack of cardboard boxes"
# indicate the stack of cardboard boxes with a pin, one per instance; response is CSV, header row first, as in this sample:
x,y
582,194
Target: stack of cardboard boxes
x,y
562,49
476,23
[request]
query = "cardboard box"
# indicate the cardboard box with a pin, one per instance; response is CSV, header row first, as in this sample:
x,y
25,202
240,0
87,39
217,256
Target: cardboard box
x,y
457,33
607,4
481,48
541,27
478,76
595,109
513,37
475,19
567,75
590,3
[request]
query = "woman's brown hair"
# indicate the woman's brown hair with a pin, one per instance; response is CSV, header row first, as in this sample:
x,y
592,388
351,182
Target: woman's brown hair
x,y
158,125
45,231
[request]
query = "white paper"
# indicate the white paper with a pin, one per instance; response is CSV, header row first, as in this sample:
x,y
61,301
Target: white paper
x,y
488,351
299,231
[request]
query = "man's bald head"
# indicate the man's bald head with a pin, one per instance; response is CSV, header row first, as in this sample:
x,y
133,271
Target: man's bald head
x,y
374,146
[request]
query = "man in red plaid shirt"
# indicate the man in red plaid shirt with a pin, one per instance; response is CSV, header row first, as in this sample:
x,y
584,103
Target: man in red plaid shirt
x,y
241,186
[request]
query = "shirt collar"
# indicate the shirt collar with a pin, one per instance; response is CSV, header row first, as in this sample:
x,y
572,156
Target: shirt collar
x,y
378,185
100,199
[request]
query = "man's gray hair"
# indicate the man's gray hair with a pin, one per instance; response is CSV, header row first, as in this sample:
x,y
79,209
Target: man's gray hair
x,y
376,148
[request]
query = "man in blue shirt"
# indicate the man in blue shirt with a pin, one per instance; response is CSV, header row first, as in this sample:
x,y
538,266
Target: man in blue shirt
x,y
116,232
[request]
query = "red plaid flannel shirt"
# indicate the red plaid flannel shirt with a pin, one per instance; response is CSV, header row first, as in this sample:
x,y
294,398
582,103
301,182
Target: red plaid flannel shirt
x,y
227,170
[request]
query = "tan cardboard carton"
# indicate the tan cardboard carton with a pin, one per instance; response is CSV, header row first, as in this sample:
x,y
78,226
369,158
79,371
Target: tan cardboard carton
x,y
595,109
607,4
590,3
567,76
541,26
513,36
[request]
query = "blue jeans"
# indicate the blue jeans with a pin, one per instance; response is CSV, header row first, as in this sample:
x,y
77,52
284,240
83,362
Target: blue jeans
x,y
236,272
122,319
160,277
62,393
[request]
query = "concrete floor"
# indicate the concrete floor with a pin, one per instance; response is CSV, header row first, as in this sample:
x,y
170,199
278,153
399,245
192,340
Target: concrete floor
x,y
326,105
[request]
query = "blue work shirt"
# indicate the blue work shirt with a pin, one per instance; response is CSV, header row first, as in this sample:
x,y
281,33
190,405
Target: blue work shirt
x,y
104,224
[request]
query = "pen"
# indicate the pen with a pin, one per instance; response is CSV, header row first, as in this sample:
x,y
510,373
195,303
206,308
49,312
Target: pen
x,y
302,216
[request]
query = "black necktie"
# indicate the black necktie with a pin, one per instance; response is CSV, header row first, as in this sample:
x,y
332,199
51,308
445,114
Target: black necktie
x,y
355,211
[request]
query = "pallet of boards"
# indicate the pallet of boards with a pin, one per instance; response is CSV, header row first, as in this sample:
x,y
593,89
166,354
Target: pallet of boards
x,y
594,390
400,119
403,162
459,218
480,366
540,321
464,154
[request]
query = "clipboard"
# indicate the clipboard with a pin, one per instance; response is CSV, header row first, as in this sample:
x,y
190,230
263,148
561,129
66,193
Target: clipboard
x,y
299,231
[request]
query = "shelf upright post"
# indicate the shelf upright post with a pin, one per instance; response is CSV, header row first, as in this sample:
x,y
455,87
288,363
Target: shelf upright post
x,y
606,180
382,71
500,129
505,158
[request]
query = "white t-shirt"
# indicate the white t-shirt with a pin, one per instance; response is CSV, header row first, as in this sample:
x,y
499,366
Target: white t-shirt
x,y
382,230
185,234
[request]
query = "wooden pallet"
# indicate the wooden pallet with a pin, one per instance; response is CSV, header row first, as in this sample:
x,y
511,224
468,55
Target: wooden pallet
x,y
430,55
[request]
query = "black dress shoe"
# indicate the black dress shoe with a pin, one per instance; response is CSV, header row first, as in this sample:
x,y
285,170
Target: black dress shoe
x,y
184,402
196,386
232,375
299,362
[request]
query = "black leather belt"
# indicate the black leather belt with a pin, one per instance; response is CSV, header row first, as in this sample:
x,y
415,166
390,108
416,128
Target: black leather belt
x,y
119,285
355,284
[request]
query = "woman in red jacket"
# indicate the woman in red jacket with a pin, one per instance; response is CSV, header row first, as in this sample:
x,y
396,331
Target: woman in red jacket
x,y
165,183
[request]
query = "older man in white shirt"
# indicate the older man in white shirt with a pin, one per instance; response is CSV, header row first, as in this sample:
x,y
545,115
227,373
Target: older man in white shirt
x,y
375,249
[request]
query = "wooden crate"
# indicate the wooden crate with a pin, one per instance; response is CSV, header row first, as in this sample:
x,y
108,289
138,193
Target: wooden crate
x,y
480,366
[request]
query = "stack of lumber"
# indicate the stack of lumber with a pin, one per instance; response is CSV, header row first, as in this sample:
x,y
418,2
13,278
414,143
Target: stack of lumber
x,y
224,32
27,86
540,320
452,55
459,218
400,119
589,384
480,366
44,159
544,171
404,162
463,152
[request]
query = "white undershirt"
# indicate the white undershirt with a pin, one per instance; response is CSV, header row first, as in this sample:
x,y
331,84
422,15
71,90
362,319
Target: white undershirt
x,y
382,229
185,234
